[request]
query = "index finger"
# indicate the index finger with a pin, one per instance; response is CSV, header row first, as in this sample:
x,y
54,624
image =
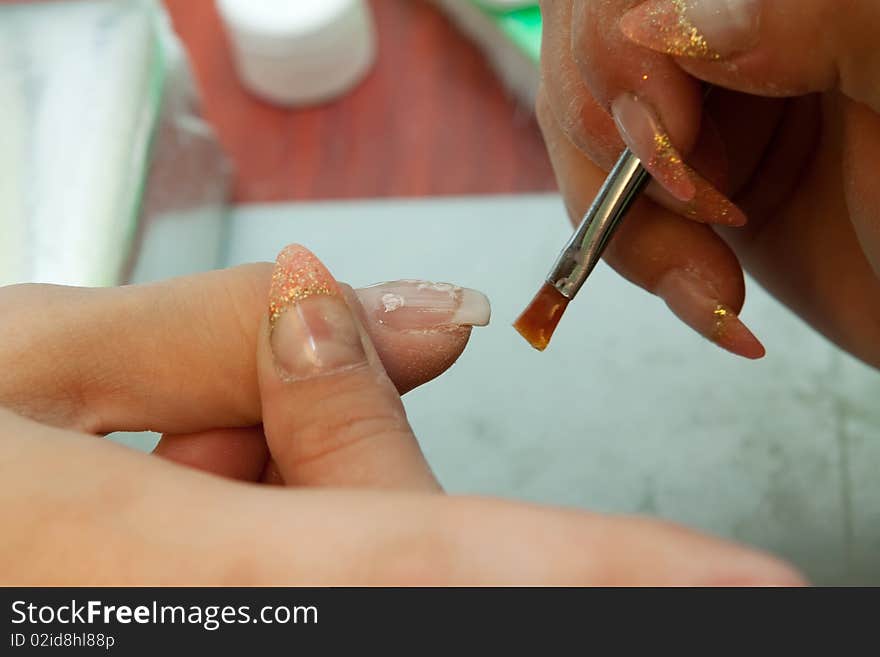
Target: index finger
x,y
172,357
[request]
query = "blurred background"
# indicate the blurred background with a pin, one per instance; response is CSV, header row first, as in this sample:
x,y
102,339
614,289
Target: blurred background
x,y
142,139
431,118
120,111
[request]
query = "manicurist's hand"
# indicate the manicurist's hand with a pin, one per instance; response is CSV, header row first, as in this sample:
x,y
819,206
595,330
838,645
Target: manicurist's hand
x,y
201,360
788,137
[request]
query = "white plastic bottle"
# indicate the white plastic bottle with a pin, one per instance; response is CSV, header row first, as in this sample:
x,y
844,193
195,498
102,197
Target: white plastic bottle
x,y
300,52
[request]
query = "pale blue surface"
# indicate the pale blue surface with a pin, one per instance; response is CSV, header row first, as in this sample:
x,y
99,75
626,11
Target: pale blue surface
x,y
628,411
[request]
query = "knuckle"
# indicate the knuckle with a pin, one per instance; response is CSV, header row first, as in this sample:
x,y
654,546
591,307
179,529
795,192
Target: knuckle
x,y
344,421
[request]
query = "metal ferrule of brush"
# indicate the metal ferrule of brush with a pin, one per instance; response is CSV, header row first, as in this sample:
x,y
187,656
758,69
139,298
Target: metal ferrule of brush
x,y
584,250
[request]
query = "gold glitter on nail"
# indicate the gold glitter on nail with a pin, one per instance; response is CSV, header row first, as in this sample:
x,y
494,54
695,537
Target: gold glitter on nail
x,y
298,275
680,35
711,206
666,161
664,149
722,315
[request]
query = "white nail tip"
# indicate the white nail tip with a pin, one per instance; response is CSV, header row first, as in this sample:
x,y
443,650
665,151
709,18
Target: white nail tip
x,y
421,302
474,309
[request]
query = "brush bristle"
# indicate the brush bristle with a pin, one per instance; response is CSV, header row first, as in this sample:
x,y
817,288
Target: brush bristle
x,y
540,319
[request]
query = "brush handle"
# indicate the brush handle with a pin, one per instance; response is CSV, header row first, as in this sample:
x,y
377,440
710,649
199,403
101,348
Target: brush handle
x,y
583,252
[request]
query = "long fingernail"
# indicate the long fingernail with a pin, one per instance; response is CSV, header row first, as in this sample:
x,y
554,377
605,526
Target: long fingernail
x,y
642,132
696,303
709,206
702,29
312,330
424,306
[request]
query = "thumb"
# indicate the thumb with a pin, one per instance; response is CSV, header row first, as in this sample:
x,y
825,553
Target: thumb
x,y
331,415
767,47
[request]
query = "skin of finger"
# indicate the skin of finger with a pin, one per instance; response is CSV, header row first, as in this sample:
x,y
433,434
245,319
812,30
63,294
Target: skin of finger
x,y
272,474
243,458
240,454
861,152
413,358
611,65
744,143
805,250
652,241
805,180
348,428
101,514
87,358
588,125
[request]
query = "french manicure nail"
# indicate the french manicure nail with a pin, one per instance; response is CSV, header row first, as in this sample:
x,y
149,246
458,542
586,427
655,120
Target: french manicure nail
x,y
410,305
641,130
312,330
701,29
696,303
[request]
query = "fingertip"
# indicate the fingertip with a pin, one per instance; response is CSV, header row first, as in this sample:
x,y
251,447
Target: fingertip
x,y
415,359
684,556
713,207
737,218
734,336
569,547
698,303
735,564
769,573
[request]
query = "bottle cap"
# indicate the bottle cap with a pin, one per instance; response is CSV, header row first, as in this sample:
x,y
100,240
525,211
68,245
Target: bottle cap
x,y
300,52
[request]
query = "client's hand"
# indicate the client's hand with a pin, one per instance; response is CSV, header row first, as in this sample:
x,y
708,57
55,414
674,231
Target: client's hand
x,y
790,133
198,359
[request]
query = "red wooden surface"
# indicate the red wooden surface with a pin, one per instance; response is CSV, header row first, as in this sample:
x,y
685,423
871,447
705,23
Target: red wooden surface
x,y
431,119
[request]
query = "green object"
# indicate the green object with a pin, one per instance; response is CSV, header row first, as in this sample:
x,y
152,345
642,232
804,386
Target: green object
x,y
521,26
156,96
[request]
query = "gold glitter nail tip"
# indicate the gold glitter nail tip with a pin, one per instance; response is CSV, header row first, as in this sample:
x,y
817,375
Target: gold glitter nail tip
x,y
298,275
701,29
664,25
695,302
